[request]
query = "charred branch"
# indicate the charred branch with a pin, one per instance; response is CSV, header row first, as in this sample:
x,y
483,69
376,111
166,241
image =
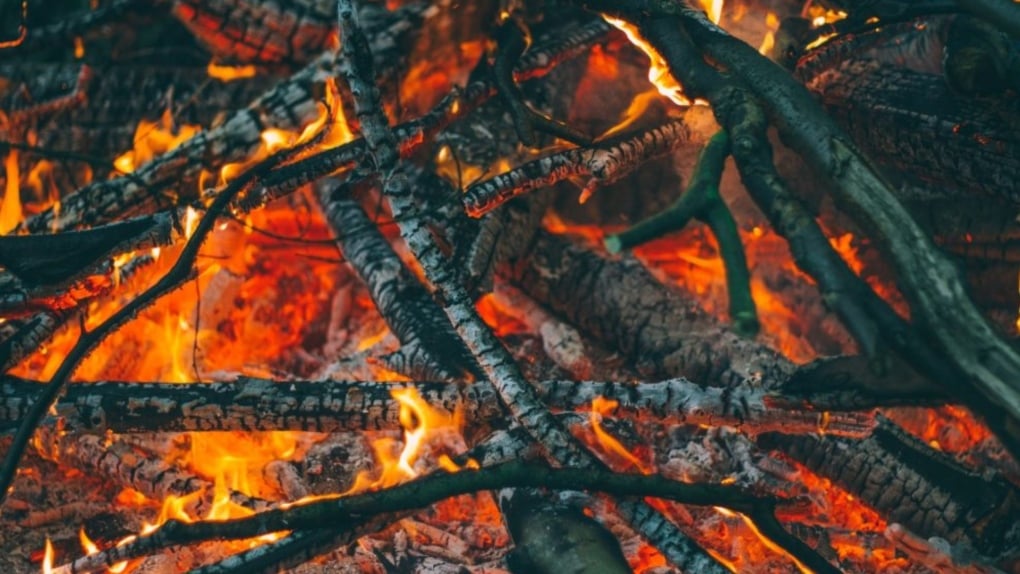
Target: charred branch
x,y
603,163
431,348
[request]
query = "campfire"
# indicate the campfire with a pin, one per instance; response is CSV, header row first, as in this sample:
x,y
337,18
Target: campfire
x,y
563,286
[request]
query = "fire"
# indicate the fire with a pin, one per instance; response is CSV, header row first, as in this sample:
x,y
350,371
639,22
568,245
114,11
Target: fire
x,y
658,71
422,424
275,139
153,139
714,9
230,73
10,211
601,406
47,563
771,27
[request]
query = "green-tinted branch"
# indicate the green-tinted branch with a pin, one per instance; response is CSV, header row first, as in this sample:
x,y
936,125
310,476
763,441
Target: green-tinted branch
x,y
702,201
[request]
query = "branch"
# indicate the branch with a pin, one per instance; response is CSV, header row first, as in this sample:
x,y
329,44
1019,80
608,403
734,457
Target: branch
x,y
250,404
604,162
701,200
350,512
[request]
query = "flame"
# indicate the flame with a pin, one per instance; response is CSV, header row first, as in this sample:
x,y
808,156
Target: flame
x,y
10,212
47,563
771,27
153,139
79,48
601,406
225,73
658,71
714,9
275,139
422,423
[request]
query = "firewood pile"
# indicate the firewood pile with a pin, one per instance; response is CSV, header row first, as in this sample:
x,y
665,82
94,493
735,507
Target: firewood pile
x,y
562,286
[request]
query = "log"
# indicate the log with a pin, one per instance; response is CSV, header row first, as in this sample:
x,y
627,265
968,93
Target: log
x,y
895,114
908,482
429,347
250,404
661,330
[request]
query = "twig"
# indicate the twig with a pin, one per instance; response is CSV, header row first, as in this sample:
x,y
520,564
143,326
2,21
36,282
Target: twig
x,y
604,162
512,40
701,200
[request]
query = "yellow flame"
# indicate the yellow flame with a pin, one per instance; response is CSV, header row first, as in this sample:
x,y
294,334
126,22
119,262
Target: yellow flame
x,y
713,8
230,73
420,421
658,72
47,564
10,211
771,27
152,139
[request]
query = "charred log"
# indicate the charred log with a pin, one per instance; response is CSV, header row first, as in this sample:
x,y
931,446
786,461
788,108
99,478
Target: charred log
x,y
915,485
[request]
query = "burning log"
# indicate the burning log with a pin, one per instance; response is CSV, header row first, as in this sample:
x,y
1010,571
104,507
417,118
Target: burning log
x,y
626,308
914,485
337,406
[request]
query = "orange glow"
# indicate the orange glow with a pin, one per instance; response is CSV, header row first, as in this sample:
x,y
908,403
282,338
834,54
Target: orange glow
x,y
10,212
600,407
153,139
79,48
274,139
230,73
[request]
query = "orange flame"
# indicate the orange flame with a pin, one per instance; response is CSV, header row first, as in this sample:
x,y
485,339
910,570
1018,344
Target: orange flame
x,y
10,211
152,139
421,424
658,71
230,73
600,407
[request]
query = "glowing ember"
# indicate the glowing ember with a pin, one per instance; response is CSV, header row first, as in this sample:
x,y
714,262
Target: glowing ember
x,y
230,73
